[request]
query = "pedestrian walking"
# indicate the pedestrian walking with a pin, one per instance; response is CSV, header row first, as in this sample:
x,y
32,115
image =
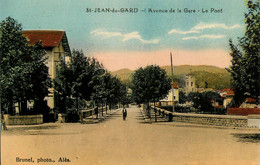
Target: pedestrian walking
x,y
124,111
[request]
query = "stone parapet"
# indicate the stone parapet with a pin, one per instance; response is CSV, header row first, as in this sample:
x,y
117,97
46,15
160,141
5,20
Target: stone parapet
x,y
254,121
23,119
217,120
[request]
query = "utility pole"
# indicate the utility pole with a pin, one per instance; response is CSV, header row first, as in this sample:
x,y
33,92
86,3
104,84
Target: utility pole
x,y
0,137
0,130
172,84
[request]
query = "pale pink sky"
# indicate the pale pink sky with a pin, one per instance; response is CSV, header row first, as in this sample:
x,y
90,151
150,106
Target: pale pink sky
x,y
133,60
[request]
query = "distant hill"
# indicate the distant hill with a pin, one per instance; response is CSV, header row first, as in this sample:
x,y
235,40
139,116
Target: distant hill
x,y
123,73
184,69
214,80
216,77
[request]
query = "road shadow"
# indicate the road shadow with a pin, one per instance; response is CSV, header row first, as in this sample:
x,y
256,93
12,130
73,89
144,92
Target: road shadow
x,y
36,127
29,130
139,118
247,138
143,122
47,133
99,120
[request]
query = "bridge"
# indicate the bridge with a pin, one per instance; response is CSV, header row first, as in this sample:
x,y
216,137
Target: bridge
x,y
130,142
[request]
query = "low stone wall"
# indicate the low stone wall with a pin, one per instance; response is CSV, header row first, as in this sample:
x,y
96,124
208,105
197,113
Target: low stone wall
x,y
23,120
217,120
253,121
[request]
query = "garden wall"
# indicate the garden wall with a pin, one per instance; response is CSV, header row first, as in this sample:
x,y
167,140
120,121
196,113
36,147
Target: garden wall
x,y
23,120
243,111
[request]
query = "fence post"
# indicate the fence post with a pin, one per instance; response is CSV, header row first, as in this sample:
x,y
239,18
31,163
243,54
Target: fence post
x,y
170,117
81,116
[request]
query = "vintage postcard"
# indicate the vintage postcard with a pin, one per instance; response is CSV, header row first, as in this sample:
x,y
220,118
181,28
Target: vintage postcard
x,y
129,82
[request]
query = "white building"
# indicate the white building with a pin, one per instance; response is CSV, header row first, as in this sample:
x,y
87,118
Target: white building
x,y
173,95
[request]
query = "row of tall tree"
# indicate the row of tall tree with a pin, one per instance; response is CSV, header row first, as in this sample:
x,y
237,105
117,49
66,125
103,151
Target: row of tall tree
x,y
84,78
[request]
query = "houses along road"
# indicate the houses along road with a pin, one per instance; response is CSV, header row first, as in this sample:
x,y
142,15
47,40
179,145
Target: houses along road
x,y
133,141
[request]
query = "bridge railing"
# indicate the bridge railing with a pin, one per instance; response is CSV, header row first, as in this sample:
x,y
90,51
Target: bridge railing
x,y
166,114
90,113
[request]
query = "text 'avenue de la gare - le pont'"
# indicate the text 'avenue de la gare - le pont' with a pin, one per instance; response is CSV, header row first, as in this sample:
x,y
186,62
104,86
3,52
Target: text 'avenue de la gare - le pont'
x,y
154,10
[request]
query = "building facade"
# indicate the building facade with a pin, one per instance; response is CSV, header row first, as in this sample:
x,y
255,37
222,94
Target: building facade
x,y
57,48
173,95
174,92
190,83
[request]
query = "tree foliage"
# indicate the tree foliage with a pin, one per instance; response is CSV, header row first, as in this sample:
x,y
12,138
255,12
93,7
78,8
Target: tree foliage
x,y
85,78
150,84
245,68
109,89
203,101
182,97
23,75
117,91
76,79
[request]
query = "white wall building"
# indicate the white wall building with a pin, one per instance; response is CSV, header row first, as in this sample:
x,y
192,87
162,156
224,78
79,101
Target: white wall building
x,y
173,95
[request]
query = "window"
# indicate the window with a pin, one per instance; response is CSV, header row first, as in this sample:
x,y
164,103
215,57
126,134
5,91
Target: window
x,y
191,83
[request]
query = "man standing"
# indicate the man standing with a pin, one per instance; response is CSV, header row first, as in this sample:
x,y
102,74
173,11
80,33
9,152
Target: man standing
x,y
124,111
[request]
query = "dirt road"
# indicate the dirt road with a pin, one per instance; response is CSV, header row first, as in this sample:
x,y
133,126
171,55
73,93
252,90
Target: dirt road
x,y
130,142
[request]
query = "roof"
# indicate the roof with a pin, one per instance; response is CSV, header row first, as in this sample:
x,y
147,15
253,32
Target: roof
x,y
192,74
49,38
175,85
250,100
228,91
219,106
200,89
231,92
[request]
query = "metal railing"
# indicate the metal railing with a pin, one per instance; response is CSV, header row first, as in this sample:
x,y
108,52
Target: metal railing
x,y
91,113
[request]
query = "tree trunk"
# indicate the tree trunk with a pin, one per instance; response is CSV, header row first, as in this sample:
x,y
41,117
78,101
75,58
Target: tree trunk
x,y
148,110
106,107
65,104
10,108
23,106
155,112
77,103
102,107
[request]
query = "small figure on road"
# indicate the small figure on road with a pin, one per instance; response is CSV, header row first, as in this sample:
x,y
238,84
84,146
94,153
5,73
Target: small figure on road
x,y
124,111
